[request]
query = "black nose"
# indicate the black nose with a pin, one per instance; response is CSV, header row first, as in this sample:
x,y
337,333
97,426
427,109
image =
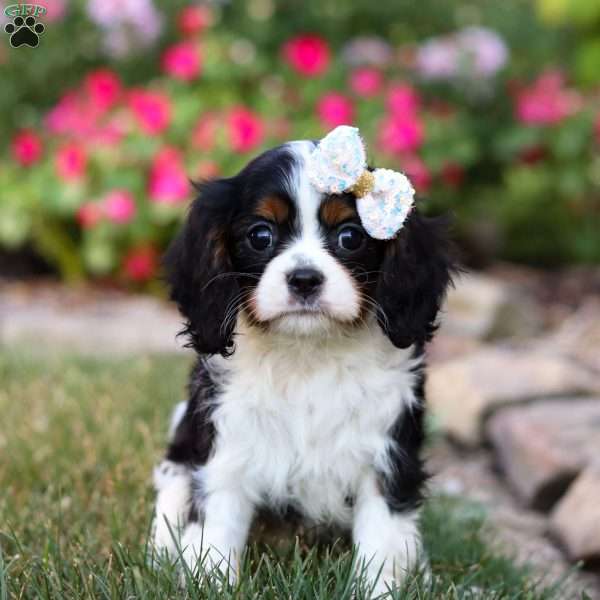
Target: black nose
x,y
305,282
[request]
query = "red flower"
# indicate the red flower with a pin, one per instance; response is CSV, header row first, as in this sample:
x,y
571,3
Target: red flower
x,y
245,128
416,170
152,110
308,54
546,101
366,81
207,169
70,162
26,147
182,61
597,127
140,263
402,100
119,206
194,19
532,155
168,181
103,87
400,134
335,109
89,215
205,131
453,174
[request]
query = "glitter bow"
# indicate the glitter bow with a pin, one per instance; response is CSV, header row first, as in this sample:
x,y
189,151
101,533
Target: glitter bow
x,y
383,197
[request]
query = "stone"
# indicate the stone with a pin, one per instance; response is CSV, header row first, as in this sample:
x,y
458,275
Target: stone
x,y
542,447
518,532
576,518
464,391
486,308
445,346
87,320
579,335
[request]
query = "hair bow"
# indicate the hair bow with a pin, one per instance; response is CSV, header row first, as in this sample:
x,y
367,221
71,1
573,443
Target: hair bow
x,y
384,197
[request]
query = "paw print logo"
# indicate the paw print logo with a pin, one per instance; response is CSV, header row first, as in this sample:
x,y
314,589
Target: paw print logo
x,y
24,31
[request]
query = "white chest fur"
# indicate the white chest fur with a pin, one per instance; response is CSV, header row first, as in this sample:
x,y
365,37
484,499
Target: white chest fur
x,y
302,422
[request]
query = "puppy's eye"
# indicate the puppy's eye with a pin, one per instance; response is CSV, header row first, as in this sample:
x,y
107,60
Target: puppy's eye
x,y
350,237
260,237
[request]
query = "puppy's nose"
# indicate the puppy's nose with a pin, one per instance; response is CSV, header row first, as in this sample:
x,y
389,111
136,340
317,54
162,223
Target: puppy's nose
x,y
305,282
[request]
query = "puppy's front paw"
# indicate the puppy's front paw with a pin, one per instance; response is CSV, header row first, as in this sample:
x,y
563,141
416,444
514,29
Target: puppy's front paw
x,y
204,560
383,582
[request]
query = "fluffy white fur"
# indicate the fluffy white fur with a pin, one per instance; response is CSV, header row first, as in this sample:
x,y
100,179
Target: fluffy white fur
x,y
311,438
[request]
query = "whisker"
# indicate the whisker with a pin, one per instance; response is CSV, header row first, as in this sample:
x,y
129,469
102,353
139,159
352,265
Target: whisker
x,y
229,274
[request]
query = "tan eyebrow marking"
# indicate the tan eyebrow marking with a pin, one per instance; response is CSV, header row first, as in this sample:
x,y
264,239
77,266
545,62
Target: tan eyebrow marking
x,y
335,210
273,208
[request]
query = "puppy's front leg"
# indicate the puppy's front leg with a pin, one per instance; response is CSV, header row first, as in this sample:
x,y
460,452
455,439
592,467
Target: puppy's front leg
x,y
388,543
219,539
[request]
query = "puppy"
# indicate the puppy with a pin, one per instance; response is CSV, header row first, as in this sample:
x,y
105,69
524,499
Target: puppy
x,y
307,392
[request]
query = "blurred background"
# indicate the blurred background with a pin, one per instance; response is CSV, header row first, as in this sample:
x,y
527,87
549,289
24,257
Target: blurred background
x,y
491,107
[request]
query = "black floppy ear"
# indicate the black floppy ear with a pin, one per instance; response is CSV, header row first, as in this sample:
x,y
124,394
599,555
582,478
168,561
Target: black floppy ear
x,y
416,271
198,264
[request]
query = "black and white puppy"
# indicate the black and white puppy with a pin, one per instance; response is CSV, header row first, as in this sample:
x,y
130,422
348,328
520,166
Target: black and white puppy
x,y
308,388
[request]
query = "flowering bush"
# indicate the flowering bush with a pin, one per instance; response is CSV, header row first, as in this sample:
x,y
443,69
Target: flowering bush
x,y
98,180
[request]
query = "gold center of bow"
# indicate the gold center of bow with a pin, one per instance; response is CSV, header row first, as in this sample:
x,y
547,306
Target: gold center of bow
x,y
364,184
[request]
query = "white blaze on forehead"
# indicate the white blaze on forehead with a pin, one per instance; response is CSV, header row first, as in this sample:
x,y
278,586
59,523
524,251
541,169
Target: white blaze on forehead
x,y
306,197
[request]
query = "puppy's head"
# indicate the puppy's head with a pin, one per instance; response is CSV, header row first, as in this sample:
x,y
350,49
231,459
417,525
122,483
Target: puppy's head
x,y
298,262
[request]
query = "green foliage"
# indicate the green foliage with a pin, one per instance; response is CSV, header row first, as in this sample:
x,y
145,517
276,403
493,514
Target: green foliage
x,y
521,188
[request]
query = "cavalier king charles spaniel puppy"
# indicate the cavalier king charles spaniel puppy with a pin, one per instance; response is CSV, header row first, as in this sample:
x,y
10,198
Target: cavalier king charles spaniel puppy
x,y
308,389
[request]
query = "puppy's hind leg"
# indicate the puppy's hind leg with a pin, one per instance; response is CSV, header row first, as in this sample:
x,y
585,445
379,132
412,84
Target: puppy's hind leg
x,y
173,484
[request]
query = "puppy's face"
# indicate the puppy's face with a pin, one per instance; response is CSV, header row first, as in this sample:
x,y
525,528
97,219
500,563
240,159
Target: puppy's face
x,y
266,243
309,262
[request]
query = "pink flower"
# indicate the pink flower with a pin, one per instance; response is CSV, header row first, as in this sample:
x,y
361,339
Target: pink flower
x,y
400,134
546,101
308,54
26,147
119,206
418,173
55,9
182,61
402,100
366,81
245,129
335,109
70,162
194,19
67,116
168,181
140,263
103,88
152,110
89,215
205,131
109,134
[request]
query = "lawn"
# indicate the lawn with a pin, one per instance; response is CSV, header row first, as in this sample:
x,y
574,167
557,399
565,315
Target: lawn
x,y
78,438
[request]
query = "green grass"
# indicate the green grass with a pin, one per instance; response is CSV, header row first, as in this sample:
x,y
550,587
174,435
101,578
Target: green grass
x,y
78,438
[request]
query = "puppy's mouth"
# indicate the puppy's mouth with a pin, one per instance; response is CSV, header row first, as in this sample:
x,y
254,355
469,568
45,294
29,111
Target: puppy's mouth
x,y
310,309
